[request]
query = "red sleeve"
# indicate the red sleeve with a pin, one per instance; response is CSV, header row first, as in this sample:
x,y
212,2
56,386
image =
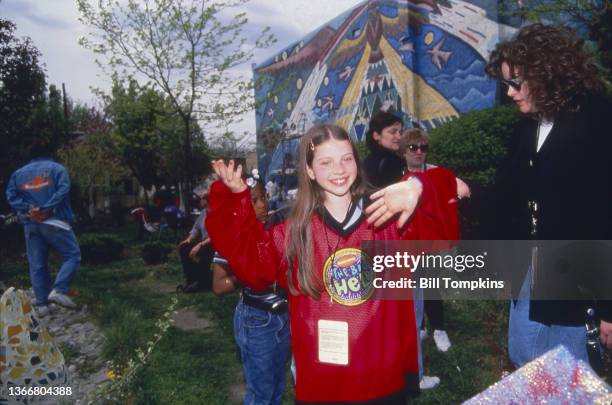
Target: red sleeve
x,y
237,235
436,217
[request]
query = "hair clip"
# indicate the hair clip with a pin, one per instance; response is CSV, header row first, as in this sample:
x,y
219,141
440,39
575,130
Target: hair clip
x,y
255,174
251,182
311,145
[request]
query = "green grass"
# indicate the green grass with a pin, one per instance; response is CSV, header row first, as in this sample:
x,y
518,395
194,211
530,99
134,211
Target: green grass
x,y
199,367
477,330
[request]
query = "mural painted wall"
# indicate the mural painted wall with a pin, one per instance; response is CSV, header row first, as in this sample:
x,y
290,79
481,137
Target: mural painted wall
x,y
421,59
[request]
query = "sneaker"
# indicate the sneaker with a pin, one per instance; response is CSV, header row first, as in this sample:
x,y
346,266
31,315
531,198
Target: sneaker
x,y
428,382
423,333
42,310
61,299
442,341
192,288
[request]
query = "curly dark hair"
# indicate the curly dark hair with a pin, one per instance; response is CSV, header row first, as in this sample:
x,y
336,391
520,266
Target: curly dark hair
x,y
560,72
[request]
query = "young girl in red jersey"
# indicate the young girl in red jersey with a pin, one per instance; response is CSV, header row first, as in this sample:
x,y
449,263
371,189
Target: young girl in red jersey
x,y
348,347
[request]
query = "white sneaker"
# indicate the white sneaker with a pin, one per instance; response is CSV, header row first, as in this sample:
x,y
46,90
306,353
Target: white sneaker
x,y
428,382
61,299
42,310
423,333
442,341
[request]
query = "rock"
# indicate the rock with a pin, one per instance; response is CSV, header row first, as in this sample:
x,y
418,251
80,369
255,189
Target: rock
x,y
187,319
99,377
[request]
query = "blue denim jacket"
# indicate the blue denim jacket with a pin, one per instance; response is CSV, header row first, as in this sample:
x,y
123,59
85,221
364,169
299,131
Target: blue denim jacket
x,y
41,183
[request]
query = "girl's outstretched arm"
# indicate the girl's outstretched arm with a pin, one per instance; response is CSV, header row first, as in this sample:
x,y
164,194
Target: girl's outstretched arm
x,y
236,233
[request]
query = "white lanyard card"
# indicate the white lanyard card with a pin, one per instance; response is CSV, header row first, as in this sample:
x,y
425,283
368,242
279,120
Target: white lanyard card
x,y
333,342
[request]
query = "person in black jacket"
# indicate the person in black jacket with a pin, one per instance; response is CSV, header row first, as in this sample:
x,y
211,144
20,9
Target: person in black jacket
x,y
555,185
384,166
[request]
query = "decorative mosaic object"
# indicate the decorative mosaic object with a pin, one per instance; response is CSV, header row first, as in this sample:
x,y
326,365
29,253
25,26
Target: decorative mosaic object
x,y
28,354
555,378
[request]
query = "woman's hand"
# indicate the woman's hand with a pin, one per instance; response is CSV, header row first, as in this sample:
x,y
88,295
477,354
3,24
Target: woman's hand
x,y
463,190
231,177
605,330
401,197
189,239
194,251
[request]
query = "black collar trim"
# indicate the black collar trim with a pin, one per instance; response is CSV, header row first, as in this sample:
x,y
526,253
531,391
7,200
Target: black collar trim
x,y
353,218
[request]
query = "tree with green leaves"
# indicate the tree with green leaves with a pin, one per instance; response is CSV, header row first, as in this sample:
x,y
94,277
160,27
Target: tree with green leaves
x,y
136,135
30,114
146,136
89,159
184,48
22,87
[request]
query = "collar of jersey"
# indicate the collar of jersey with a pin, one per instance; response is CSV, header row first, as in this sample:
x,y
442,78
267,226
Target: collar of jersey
x,y
353,218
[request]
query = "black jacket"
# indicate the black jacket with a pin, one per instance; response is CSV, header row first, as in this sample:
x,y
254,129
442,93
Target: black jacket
x,y
383,167
570,180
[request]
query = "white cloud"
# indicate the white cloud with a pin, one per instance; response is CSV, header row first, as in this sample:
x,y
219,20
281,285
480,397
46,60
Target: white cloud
x,y
55,30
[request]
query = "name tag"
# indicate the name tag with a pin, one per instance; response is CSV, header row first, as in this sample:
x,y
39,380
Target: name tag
x,y
333,342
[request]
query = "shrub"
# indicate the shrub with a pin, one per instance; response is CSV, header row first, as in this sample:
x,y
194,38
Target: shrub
x,y
118,213
474,144
12,242
362,149
156,252
129,356
100,248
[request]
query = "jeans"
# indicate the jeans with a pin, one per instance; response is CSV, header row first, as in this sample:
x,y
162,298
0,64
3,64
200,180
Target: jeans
x,y
39,238
419,305
529,339
264,343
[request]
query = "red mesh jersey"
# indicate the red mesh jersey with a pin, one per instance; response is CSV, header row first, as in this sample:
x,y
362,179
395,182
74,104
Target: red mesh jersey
x,y
382,346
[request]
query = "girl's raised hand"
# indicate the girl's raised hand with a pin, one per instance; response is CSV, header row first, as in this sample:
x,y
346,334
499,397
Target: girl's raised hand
x,y
401,197
231,177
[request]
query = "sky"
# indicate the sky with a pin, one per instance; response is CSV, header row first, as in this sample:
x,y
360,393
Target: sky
x,y
54,28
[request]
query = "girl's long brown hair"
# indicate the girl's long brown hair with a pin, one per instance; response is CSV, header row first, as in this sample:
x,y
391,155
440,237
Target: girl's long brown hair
x,y
310,198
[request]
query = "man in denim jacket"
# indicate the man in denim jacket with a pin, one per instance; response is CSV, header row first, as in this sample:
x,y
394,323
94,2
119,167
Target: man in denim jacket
x,y
39,193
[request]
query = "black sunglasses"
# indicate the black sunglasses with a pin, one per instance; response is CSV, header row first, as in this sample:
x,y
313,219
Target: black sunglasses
x,y
515,83
423,148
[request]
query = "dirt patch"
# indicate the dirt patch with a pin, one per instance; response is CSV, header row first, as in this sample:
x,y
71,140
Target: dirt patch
x,y
237,390
188,319
157,286
236,393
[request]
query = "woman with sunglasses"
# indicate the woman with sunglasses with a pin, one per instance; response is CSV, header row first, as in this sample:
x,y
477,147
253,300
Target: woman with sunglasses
x,y
413,147
554,184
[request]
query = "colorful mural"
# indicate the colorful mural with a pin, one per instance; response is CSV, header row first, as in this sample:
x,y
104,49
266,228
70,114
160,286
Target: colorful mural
x,y
421,59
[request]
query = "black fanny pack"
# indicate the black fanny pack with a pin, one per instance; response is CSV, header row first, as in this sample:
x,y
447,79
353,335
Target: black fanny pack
x,y
279,306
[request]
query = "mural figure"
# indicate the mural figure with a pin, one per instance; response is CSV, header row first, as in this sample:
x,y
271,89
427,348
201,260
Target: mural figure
x,y
420,59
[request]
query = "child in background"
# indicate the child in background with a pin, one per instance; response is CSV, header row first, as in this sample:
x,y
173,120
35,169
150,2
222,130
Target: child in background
x,y
347,347
261,320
